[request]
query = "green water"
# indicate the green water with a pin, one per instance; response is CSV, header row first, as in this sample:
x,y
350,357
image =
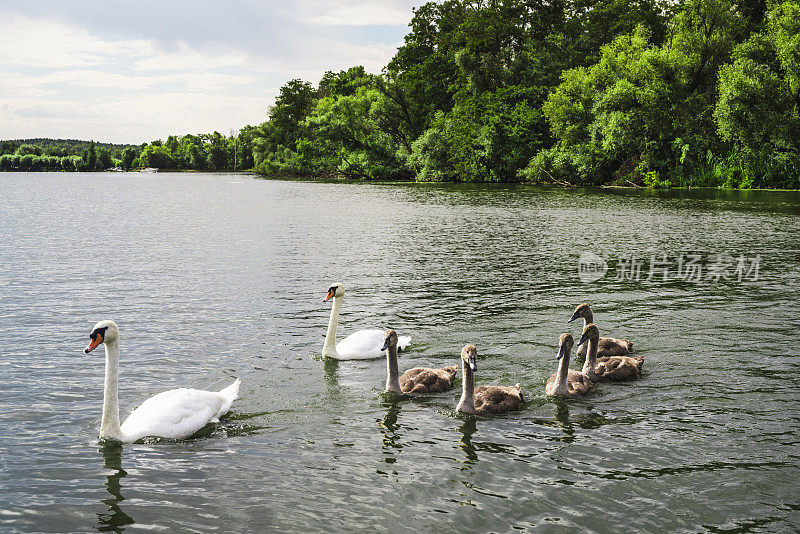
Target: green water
x,y
215,276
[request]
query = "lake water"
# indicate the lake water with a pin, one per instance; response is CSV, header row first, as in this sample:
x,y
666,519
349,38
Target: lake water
x,y
211,277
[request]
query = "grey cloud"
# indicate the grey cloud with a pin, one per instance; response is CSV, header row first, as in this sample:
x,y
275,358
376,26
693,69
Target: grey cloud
x,y
265,27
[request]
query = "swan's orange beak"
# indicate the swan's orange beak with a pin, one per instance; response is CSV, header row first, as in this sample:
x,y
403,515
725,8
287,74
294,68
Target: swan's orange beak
x,y
96,341
331,293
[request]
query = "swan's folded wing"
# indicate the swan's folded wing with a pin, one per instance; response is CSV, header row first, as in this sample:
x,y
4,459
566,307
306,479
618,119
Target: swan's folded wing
x,y
425,380
497,399
608,346
363,344
175,414
614,368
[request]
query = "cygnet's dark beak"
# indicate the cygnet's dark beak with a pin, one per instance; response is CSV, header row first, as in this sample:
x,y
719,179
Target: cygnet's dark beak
x,y
574,316
584,339
385,343
473,364
561,352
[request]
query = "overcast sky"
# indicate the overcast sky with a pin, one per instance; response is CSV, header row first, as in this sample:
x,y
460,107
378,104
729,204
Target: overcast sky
x,y
130,72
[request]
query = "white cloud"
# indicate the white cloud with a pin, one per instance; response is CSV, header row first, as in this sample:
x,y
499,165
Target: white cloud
x,y
64,79
353,13
187,58
48,44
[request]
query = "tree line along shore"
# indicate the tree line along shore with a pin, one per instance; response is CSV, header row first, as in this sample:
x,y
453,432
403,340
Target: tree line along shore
x,y
570,92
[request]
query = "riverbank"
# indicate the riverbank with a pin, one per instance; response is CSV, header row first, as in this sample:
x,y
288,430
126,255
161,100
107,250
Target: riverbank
x,y
334,179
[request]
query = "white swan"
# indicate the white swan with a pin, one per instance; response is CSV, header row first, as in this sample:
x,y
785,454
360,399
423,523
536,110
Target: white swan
x,y
361,345
175,414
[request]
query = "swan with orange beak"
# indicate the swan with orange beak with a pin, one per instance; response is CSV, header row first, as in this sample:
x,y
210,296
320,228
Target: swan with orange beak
x,y
360,345
175,414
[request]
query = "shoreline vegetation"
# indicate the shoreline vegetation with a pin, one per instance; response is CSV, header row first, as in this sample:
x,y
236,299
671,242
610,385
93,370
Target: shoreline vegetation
x,y
644,93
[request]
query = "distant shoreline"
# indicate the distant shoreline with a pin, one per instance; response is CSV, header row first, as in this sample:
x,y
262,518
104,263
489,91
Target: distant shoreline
x,y
341,180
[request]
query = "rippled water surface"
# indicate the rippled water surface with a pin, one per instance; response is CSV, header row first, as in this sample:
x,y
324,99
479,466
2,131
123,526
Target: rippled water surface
x,y
212,277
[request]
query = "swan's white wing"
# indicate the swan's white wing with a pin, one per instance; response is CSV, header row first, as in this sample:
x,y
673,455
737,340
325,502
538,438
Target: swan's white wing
x,y
175,414
403,341
361,345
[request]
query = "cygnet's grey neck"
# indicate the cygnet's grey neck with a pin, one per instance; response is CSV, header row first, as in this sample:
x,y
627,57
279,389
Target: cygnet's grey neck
x,y
591,358
467,402
392,374
562,374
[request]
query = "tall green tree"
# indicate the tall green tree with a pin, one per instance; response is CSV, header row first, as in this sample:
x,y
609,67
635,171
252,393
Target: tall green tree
x,y
758,110
157,156
641,108
128,155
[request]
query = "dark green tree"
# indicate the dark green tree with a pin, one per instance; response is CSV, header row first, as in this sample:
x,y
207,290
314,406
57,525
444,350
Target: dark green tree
x,y
128,155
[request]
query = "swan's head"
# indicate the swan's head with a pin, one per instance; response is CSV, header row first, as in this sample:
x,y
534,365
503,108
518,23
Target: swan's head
x,y
583,311
469,355
590,331
336,290
103,332
565,343
389,339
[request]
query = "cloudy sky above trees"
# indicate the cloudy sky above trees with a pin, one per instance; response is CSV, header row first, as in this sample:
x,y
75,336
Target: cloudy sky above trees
x,y
128,72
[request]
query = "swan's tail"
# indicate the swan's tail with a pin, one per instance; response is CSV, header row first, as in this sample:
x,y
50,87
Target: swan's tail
x,y
403,341
231,393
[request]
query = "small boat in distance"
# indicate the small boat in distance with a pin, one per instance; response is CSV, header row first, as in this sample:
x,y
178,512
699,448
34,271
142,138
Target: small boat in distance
x,y
149,169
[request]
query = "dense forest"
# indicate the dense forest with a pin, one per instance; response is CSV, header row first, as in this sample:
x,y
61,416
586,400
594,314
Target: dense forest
x,y
642,92
573,92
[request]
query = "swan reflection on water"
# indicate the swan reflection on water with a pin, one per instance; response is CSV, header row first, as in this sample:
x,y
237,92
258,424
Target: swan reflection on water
x,y
566,424
114,520
467,429
389,428
330,368
562,421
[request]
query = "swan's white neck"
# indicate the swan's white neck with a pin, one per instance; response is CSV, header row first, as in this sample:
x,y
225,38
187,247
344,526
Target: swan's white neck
x,y
329,348
562,374
110,425
591,358
393,375
467,402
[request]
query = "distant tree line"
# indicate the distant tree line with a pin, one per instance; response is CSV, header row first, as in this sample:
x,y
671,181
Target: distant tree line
x,y
63,155
210,152
188,152
630,92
